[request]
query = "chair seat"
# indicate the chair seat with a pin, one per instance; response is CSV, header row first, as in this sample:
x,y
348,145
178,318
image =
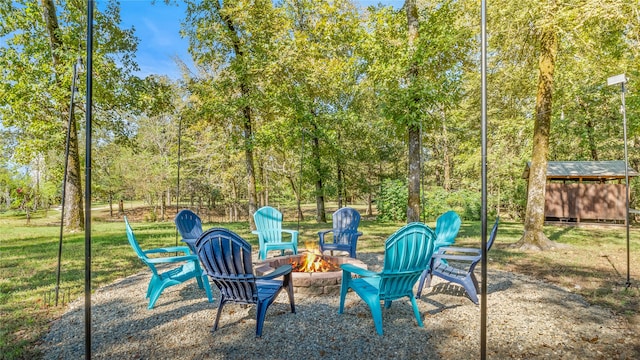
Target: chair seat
x,y
446,270
267,288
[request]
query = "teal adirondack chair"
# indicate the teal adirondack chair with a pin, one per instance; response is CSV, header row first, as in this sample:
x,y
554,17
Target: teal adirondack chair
x,y
190,268
447,228
269,230
407,253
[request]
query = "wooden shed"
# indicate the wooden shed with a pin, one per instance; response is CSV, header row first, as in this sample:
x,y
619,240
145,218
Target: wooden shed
x,y
585,190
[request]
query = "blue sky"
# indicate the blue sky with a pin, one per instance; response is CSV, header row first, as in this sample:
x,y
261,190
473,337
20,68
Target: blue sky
x,y
158,27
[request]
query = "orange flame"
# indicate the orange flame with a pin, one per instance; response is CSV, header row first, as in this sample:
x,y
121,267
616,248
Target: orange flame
x,y
312,262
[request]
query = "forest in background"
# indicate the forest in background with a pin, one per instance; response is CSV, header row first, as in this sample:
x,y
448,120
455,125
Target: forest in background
x,y
304,101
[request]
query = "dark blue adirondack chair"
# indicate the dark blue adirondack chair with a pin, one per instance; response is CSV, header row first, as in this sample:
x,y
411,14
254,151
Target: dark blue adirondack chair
x,y
189,226
447,228
190,268
345,232
460,268
269,230
226,258
407,254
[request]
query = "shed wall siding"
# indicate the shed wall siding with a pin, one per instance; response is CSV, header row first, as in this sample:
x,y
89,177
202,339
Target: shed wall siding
x,y
585,201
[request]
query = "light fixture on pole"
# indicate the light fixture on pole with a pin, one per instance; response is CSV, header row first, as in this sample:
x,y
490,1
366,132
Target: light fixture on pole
x,y
622,80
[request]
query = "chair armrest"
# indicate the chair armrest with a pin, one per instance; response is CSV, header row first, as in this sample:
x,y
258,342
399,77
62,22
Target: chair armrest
x,y
280,271
445,249
455,257
321,235
294,235
172,259
358,270
183,249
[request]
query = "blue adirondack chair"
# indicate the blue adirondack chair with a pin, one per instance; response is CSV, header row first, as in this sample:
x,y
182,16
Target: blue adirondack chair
x,y
226,258
447,228
407,254
460,268
190,268
189,226
345,232
269,230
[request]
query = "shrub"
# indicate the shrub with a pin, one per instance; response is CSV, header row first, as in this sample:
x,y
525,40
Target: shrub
x,y
392,201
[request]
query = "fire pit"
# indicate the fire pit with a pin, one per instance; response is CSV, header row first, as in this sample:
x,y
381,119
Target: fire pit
x,y
313,274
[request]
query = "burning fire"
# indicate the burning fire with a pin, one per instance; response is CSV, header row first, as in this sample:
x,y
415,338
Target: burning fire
x,y
313,262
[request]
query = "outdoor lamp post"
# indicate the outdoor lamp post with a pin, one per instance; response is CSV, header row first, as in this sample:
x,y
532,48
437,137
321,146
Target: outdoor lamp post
x,y
622,80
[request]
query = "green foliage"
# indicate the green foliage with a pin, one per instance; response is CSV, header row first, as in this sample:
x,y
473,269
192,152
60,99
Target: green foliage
x,y
392,200
465,202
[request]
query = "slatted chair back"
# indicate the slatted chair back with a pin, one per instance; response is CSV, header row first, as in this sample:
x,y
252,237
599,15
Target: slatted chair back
x,y
447,228
407,254
345,232
226,258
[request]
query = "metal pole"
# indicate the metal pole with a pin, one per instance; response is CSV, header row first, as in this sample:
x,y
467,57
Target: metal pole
x,y
626,178
178,190
87,197
483,212
64,177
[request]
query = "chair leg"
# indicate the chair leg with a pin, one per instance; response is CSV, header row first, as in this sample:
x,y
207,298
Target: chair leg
x,y
416,312
376,313
261,312
344,286
423,277
155,294
470,288
289,284
207,287
215,324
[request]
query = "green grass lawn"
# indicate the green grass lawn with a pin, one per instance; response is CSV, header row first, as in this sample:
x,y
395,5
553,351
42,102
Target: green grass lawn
x,y
593,265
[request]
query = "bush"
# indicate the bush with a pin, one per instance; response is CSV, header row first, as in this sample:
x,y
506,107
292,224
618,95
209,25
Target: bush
x,y
392,201
466,203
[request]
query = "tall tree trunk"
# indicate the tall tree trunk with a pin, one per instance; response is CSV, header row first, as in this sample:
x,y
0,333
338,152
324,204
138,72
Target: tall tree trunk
x,y
73,213
247,116
413,204
340,184
110,204
534,237
251,184
296,192
321,217
446,157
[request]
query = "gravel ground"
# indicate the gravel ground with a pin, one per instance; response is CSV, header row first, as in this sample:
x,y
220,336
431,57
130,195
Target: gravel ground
x,y
527,319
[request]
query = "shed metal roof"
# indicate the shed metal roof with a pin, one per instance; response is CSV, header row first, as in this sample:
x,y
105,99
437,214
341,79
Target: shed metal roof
x,y
584,169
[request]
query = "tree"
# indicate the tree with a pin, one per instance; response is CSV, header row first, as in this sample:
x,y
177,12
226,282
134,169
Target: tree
x,y
552,20
234,43
41,45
